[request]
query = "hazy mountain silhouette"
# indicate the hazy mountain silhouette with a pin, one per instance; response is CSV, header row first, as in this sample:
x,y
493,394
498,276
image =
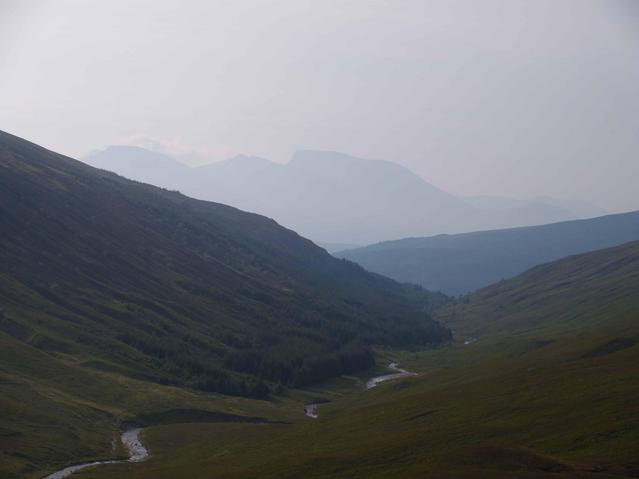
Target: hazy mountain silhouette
x,y
461,263
337,198
535,211
130,161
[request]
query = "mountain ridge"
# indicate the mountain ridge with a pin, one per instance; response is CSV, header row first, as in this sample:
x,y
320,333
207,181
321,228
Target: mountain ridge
x,y
333,197
457,264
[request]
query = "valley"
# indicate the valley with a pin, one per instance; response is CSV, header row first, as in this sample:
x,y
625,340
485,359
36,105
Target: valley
x,y
130,439
362,239
549,401
238,349
138,452
133,304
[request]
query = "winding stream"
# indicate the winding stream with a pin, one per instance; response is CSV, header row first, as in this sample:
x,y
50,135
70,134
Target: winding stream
x,y
130,439
137,451
311,409
401,373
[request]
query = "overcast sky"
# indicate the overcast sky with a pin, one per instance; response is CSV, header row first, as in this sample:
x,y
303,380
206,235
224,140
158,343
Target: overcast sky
x,y
500,97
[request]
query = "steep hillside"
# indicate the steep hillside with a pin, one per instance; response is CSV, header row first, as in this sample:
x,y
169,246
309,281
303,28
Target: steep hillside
x,y
182,288
547,389
456,264
575,293
332,197
111,290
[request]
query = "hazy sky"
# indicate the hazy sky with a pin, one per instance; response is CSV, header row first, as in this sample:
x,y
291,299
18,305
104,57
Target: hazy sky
x,y
504,97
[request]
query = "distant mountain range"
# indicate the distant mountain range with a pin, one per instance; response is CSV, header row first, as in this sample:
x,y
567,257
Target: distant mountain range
x,y
331,197
456,264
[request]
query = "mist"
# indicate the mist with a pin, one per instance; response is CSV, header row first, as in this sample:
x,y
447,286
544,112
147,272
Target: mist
x,y
319,238
499,97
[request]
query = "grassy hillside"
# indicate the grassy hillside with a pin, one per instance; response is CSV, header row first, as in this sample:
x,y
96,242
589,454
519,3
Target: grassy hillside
x,y
57,411
546,395
572,294
458,264
115,296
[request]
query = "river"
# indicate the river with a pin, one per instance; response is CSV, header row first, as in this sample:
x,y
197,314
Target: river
x,y
130,439
400,373
311,409
137,451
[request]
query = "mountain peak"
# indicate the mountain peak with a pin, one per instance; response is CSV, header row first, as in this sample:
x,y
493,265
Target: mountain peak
x,y
130,152
139,164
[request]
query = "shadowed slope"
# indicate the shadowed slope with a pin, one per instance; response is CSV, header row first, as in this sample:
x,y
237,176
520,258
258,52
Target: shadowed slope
x,y
112,290
176,286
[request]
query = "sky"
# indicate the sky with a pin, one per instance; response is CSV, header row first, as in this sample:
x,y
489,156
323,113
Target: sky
x,y
480,97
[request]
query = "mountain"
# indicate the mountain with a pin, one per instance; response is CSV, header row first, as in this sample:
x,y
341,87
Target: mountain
x,y
185,288
544,386
582,209
580,292
336,247
128,161
456,264
336,198
117,296
537,210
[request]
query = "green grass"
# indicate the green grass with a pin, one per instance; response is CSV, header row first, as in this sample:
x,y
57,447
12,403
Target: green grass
x,y
101,323
119,299
548,390
56,412
510,416
572,294
161,287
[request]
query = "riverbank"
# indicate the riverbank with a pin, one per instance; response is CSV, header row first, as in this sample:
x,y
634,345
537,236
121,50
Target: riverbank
x,y
311,409
131,441
400,373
